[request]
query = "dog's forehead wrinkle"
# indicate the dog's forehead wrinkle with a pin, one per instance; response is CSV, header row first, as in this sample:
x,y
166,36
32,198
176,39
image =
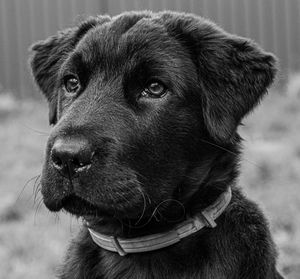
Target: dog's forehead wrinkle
x,y
104,42
116,53
124,22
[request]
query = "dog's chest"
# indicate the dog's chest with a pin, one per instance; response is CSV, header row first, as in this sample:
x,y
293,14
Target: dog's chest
x,y
156,267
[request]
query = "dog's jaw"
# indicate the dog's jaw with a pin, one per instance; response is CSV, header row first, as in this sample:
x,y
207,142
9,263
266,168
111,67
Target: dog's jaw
x,y
207,218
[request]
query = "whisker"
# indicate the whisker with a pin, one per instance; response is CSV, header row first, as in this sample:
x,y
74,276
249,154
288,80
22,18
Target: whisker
x,y
40,202
36,193
229,151
144,206
37,189
121,196
156,211
156,217
121,222
25,185
41,133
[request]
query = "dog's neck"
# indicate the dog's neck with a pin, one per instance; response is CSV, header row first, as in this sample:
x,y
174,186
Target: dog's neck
x,y
158,241
165,221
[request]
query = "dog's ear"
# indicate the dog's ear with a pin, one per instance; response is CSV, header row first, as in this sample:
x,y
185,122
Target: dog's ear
x,y
48,55
45,61
233,72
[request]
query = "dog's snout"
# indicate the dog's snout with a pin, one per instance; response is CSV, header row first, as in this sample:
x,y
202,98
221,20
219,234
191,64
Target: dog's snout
x,y
70,156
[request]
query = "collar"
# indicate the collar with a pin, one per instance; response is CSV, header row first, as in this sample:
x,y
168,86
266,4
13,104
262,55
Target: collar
x,y
157,241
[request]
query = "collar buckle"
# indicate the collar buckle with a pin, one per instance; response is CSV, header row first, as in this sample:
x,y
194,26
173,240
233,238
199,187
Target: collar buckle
x,y
118,246
208,219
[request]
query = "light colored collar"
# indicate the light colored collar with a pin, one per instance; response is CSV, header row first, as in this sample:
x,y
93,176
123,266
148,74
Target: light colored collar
x,y
157,241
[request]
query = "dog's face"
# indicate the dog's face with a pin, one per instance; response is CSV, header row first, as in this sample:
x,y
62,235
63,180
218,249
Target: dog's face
x,y
132,99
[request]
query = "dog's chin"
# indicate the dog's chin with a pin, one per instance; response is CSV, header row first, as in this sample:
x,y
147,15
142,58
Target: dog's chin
x,y
79,207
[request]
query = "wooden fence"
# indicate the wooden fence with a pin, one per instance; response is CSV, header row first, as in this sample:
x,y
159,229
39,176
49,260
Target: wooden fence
x,y
274,24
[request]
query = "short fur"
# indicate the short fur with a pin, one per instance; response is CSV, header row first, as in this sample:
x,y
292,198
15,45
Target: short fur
x,y
157,160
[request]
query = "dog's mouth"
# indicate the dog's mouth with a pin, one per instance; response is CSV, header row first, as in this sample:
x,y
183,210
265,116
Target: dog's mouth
x,y
78,206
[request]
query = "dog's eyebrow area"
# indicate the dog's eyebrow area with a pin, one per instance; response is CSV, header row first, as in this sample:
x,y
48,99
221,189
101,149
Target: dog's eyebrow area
x,y
74,66
138,55
165,68
74,63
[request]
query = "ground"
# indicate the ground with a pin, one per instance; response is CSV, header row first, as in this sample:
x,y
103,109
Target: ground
x,y
33,241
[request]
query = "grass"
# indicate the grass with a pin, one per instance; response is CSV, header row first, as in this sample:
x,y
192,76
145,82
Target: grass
x,y
33,241
271,173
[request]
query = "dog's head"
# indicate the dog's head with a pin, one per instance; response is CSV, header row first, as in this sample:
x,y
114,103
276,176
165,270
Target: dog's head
x,y
137,103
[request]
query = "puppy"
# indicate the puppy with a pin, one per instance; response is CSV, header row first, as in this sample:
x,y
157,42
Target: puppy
x,y
144,146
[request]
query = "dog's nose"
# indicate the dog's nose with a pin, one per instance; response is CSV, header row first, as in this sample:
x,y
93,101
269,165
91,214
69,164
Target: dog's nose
x,y
71,156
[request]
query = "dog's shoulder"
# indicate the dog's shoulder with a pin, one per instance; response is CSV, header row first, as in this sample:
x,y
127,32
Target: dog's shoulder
x,y
247,222
247,231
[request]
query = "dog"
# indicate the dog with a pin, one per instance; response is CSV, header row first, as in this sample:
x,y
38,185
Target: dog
x,y
144,147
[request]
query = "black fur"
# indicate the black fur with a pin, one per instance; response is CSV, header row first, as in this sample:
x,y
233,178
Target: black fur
x,y
157,160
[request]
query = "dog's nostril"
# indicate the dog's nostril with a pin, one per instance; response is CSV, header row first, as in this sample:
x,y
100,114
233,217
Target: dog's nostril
x,y
56,160
79,163
71,156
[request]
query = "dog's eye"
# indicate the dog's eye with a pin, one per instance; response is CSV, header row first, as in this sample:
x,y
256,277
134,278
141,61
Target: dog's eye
x,y
154,90
71,84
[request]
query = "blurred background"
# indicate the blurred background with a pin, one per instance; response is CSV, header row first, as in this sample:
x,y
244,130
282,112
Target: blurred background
x,y
32,240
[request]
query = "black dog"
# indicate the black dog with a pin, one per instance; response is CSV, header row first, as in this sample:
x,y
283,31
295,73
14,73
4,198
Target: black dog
x,y
145,108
